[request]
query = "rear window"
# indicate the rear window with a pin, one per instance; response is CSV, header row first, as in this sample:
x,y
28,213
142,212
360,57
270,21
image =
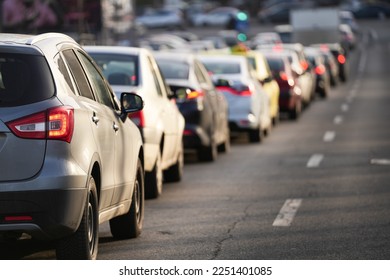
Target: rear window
x,y
24,79
275,64
118,69
174,70
222,67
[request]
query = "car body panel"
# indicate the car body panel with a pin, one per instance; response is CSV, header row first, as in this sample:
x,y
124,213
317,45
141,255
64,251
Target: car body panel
x,y
52,187
161,119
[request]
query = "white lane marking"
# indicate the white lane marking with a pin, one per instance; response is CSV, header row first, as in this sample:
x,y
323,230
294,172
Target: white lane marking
x,y
362,62
338,120
329,136
287,213
380,161
344,107
315,161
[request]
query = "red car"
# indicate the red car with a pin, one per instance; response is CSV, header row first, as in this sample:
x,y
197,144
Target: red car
x,y
290,100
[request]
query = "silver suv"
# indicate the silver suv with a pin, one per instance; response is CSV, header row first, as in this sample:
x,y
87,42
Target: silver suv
x,y
69,156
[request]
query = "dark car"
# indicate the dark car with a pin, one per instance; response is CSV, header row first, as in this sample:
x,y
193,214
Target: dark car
x,y
371,10
205,109
70,158
317,62
290,99
340,57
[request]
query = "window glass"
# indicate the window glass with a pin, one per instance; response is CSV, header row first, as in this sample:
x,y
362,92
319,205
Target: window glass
x,y
118,69
78,74
100,88
64,71
174,69
24,79
155,77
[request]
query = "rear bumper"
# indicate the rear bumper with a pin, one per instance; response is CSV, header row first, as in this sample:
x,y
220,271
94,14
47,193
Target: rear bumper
x,y
42,213
195,137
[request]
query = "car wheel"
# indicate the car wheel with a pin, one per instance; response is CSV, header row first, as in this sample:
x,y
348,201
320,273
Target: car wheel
x,y
256,135
130,224
175,172
154,180
225,146
83,244
208,153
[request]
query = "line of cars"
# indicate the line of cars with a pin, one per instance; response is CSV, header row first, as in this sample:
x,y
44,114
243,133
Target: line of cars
x,y
110,125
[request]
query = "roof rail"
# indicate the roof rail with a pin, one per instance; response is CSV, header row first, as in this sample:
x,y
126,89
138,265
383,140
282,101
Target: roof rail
x,y
43,36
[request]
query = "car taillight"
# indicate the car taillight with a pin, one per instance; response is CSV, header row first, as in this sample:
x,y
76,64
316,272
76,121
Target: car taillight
x,y
304,64
61,124
320,69
284,77
243,91
194,94
55,123
137,118
341,59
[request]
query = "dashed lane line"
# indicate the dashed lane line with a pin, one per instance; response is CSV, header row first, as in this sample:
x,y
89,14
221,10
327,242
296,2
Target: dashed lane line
x,y
287,213
329,136
315,161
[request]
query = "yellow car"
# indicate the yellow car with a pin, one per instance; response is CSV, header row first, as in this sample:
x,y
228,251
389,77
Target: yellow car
x,y
264,75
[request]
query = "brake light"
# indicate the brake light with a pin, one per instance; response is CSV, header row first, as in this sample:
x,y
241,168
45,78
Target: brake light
x,y
304,65
245,91
138,118
61,124
320,69
283,76
56,123
341,59
194,94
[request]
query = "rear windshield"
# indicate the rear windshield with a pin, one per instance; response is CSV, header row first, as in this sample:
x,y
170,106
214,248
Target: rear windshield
x,y
174,69
121,70
222,67
275,64
24,79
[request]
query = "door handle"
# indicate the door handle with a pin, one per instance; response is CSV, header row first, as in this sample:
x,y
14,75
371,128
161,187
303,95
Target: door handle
x,y
115,127
95,118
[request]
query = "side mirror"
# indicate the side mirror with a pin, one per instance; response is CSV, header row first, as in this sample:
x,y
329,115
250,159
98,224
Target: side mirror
x,y
221,83
267,80
181,93
130,103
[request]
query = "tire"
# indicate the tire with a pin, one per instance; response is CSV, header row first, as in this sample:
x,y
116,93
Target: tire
x,y
208,153
175,172
225,146
294,113
130,224
154,180
83,244
256,135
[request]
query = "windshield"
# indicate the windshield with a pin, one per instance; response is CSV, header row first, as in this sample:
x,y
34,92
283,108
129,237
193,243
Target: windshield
x,y
174,69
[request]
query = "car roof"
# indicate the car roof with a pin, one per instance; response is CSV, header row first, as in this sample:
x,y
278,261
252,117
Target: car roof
x,y
116,49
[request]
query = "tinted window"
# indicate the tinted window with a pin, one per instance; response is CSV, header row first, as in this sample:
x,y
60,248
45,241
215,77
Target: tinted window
x,y
99,85
24,79
223,67
78,74
64,71
118,69
275,64
174,69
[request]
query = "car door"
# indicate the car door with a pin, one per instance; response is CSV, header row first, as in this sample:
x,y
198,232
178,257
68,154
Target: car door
x,y
101,124
170,115
118,133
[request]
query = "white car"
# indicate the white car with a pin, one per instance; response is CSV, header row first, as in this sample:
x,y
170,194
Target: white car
x,y
248,103
131,69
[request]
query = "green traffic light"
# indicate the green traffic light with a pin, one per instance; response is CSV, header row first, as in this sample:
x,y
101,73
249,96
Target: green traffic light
x,y
242,16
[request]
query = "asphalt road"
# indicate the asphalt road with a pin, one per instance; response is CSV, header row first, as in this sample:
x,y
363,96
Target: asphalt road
x,y
316,188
